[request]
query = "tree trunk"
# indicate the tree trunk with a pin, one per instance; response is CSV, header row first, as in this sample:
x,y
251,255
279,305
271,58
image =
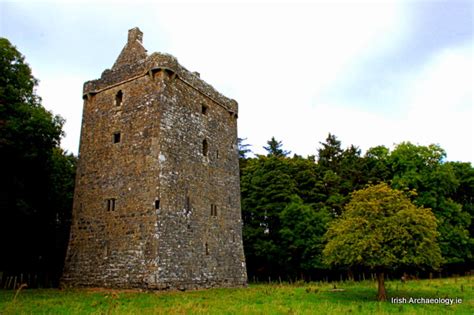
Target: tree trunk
x,y
382,294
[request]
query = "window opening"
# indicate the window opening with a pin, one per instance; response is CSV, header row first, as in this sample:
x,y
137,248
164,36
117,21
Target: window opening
x,y
204,109
213,210
157,204
204,147
117,137
118,98
110,204
188,204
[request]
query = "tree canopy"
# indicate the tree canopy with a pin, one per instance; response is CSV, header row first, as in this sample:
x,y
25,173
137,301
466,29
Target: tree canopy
x,y
382,229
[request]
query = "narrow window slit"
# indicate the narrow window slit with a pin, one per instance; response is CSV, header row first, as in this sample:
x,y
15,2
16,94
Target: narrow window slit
x,y
204,147
188,204
118,98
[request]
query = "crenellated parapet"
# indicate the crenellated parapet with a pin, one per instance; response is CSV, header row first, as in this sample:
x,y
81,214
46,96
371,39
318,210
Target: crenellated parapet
x,y
150,65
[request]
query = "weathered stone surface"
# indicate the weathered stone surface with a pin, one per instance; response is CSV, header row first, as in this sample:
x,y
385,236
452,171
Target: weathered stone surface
x,y
157,199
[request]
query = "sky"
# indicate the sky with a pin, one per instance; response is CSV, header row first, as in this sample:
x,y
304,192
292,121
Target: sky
x,y
370,72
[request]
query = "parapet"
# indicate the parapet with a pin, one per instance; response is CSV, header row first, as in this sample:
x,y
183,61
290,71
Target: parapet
x,y
133,62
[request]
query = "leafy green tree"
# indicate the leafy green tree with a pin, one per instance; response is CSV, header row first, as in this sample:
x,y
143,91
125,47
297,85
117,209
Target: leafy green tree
x,y
375,165
464,194
32,186
266,189
381,229
274,148
302,232
422,168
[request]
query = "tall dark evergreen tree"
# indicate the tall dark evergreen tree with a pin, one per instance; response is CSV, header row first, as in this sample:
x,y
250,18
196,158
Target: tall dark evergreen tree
x,y
330,171
274,148
330,153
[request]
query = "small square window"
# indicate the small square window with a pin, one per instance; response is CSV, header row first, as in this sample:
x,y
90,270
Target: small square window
x,y
117,137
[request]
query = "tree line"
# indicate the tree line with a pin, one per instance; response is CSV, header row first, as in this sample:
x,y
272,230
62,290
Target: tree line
x,y
289,202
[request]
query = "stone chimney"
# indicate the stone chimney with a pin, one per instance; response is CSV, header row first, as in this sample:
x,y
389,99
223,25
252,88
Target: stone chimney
x,y
133,50
135,35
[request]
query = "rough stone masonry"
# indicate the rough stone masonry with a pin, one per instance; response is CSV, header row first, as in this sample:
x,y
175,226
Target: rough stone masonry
x,y
157,198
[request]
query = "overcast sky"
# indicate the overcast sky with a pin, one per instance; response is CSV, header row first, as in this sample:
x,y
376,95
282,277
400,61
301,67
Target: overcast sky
x,y
370,72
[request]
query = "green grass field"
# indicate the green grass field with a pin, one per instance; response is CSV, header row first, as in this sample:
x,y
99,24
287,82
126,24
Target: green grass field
x,y
301,298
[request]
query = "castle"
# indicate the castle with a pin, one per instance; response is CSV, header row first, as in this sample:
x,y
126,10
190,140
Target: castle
x,y
157,197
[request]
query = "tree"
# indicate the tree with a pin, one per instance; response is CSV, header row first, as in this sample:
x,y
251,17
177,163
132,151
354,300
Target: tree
x,y
464,195
37,177
380,228
303,227
375,165
274,148
341,172
266,188
422,168
243,148
330,155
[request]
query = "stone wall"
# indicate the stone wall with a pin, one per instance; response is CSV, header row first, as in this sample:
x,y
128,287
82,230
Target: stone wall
x,y
157,200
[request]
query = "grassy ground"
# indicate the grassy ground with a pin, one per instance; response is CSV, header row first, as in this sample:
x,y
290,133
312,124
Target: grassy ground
x,y
302,298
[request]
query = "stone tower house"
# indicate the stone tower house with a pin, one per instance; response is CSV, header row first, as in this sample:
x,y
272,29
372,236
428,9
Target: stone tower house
x,y
157,198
